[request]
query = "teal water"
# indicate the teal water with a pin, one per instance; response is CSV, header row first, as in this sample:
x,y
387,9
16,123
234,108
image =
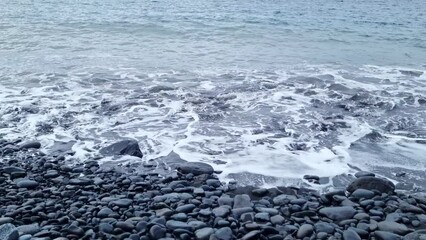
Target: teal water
x,y
187,35
275,89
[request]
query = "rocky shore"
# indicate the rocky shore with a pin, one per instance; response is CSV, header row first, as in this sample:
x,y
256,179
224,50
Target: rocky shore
x,y
44,197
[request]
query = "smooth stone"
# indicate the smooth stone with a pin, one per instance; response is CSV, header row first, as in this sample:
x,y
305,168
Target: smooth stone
x,y
157,232
242,201
29,145
322,235
166,212
361,216
363,193
305,230
75,230
239,211
225,200
8,232
204,233
381,235
283,199
224,233
197,224
10,170
125,147
259,192
406,207
214,183
179,217
29,229
104,212
324,227
271,211
393,227
221,211
338,213
196,168
187,208
247,217
106,227
251,235
350,235
311,177
4,220
277,220
126,226
173,224
262,217
360,232
371,183
416,235
125,202
26,183
364,174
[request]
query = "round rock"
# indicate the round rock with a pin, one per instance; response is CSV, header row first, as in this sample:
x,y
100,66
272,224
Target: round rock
x,y
371,183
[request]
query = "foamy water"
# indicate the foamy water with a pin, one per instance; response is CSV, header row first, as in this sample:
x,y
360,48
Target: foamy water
x,y
271,89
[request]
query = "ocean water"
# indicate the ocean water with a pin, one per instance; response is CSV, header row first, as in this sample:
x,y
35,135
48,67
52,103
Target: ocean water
x,y
265,91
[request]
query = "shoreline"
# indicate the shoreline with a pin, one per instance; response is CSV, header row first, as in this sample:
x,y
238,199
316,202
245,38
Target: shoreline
x,y
44,198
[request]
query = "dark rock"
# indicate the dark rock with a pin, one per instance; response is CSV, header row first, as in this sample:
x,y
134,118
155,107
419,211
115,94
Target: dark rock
x,y
173,225
196,168
10,170
29,229
381,235
104,212
406,207
224,233
106,227
305,230
29,145
362,193
260,192
157,232
203,233
262,217
242,201
283,199
277,220
416,235
125,147
371,183
125,202
338,213
8,232
311,177
75,230
126,226
251,235
26,183
214,183
4,220
351,235
222,211
187,208
364,174
393,227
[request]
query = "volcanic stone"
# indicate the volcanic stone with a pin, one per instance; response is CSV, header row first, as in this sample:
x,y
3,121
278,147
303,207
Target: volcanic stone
x,y
371,183
338,213
125,147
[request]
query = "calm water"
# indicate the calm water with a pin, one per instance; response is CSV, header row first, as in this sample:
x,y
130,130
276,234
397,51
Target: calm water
x,y
276,89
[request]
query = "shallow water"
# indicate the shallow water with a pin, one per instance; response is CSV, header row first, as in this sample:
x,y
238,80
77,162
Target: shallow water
x,y
278,89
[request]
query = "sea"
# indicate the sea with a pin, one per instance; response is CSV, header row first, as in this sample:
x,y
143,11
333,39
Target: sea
x,y
266,91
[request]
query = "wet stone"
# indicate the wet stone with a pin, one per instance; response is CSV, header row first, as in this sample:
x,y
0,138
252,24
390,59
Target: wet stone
x,y
26,183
